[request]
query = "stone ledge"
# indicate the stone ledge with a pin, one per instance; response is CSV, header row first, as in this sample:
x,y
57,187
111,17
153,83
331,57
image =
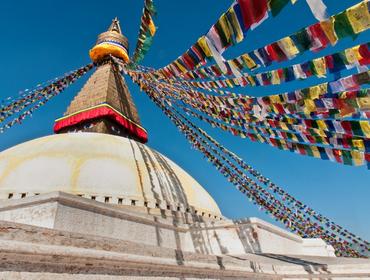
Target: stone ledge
x,y
126,203
58,210
89,205
22,256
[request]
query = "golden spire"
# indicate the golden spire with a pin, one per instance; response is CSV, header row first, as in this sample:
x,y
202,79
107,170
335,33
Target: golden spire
x,y
111,43
104,104
115,26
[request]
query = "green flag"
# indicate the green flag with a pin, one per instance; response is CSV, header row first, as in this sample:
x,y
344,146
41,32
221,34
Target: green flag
x,y
277,5
342,26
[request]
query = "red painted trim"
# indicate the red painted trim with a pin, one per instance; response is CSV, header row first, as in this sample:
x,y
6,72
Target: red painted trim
x,y
100,112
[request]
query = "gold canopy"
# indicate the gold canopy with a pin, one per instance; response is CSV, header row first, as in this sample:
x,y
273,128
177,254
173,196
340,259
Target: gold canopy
x,y
111,43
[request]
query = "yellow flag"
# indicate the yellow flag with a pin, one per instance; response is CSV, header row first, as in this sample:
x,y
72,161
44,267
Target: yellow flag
x,y
320,66
314,92
320,132
321,124
294,137
357,157
365,125
363,103
284,126
182,68
203,44
359,144
290,120
251,80
276,110
191,75
275,79
274,99
249,61
352,55
309,106
288,47
225,25
328,28
235,23
229,83
359,17
151,26
260,138
323,88
315,151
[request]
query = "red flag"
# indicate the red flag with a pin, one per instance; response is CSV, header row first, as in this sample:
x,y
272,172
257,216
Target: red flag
x,y
329,61
365,53
347,127
253,11
318,33
275,52
338,155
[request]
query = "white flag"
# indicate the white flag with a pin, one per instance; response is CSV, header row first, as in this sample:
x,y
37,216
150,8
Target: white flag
x,y
217,56
318,9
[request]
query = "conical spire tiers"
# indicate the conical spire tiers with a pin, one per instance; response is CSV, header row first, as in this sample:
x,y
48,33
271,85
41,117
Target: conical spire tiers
x,y
104,105
111,43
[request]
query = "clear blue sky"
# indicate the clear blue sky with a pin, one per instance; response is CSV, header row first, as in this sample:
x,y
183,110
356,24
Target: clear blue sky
x,y
42,39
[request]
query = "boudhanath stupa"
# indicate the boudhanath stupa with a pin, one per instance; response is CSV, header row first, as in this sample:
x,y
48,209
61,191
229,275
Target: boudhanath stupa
x,y
93,201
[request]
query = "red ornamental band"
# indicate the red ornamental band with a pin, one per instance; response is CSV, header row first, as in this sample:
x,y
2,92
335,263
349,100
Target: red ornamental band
x,y
97,112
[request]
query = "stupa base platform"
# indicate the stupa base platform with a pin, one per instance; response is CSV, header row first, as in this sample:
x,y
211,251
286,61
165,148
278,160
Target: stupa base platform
x,y
51,239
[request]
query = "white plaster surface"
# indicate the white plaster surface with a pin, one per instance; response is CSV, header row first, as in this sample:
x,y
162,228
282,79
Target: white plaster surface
x,y
101,165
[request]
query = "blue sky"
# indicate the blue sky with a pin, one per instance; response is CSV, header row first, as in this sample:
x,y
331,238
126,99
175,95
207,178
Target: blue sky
x,y
43,39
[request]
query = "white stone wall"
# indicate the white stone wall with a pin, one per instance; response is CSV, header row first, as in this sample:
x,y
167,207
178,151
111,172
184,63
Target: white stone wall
x,y
42,215
75,214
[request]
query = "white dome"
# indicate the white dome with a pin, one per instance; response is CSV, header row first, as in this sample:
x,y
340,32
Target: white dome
x,y
102,167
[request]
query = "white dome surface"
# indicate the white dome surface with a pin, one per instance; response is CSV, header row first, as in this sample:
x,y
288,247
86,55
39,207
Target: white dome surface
x,y
100,166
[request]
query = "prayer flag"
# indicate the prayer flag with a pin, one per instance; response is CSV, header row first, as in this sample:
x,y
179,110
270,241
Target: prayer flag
x,y
358,157
342,26
204,46
318,9
216,55
288,47
359,17
254,12
328,28
277,5
233,18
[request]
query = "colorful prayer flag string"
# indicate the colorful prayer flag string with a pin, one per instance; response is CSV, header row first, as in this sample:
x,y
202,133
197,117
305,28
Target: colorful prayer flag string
x,y
316,37
38,97
146,32
346,149
296,219
230,29
357,56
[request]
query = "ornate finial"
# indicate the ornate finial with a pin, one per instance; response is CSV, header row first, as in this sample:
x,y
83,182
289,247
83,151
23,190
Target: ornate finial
x,y
111,43
115,26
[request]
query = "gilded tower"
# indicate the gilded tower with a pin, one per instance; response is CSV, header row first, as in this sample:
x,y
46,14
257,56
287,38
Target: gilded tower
x,y
104,104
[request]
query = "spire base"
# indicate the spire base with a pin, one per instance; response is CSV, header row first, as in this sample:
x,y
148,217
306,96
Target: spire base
x,y
101,119
104,105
